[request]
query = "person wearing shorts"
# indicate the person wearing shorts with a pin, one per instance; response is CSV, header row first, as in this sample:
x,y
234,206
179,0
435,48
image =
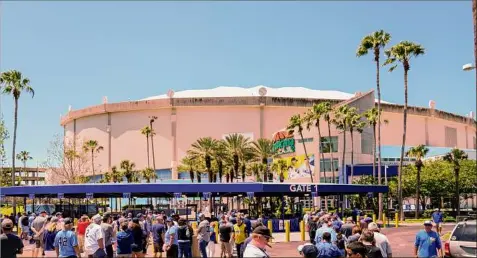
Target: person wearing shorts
x,y
38,228
225,231
158,231
437,219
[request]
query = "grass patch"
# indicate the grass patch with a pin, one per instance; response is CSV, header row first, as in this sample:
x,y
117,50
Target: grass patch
x,y
446,236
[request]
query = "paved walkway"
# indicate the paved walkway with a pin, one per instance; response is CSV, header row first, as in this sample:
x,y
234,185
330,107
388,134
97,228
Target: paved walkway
x,y
401,239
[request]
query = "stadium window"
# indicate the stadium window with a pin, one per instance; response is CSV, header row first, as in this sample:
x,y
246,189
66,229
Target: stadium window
x,y
325,144
325,165
305,140
366,143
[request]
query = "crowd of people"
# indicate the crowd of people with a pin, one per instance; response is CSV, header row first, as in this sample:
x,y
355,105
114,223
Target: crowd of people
x,y
331,237
124,235
109,235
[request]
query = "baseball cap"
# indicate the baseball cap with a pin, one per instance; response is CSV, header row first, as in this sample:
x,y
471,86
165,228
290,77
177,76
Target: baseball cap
x,y
43,211
373,226
139,215
7,224
427,222
68,221
262,230
368,219
308,250
58,214
169,219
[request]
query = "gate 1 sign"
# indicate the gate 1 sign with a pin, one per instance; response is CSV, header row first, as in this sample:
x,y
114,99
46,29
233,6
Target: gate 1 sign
x,y
303,188
89,195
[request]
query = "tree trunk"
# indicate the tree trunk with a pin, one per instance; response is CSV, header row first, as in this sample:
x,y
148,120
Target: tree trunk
x,y
147,150
343,169
352,156
322,153
331,154
378,89
243,172
402,146
307,161
92,163
220,168
152,149
199,179
15,123
457,194
474,14
418,179
374,157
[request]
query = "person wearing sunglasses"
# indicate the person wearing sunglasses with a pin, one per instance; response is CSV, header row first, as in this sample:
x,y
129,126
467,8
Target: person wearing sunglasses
x,y
260,240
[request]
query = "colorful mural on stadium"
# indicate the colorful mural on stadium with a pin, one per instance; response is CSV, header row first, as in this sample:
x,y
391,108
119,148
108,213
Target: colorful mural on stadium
x,y
295,167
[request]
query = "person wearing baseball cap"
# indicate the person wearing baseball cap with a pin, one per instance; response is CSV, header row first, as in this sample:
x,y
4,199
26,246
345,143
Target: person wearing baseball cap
x,y
256,248
308,250
11,245
428,242
381,240
94,239
437,218
66,242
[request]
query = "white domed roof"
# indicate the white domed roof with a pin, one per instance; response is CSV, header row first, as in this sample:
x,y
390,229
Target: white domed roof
x,y
283,92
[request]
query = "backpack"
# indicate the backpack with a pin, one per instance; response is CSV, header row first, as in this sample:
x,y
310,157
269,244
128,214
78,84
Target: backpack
x,y
24,221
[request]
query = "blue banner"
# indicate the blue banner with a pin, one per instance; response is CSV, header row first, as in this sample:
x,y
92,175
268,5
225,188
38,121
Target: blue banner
x,y
31,196
61,195
207,195
89,196
126,195
177,195
250,195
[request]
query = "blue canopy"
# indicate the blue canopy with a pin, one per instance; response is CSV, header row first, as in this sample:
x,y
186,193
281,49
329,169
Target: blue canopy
x,y
390,170
189,189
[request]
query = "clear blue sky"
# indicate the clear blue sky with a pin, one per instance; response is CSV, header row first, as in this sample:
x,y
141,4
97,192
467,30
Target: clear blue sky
x,y
77,52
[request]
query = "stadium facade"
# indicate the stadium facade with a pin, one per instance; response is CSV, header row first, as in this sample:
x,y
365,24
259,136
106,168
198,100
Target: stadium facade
x,y
257,112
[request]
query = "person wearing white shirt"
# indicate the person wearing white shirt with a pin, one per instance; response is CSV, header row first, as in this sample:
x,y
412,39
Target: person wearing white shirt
x,y
381,240
94,239
261,235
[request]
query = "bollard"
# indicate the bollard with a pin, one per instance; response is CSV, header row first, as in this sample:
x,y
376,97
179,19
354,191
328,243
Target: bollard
x,y
75,222
270,226
302,230
216,229
384,221
287,231
195,242
374,217
358,221
194,225
396,215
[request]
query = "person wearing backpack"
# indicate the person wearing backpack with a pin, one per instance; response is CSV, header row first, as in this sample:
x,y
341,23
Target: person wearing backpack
x,y
184,235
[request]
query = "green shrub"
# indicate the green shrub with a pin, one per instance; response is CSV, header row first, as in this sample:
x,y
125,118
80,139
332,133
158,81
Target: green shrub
x,y
449,219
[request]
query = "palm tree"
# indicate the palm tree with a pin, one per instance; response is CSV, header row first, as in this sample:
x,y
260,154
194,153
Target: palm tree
x,y
474,12
24,156
418,152
92,146
341,121
355,124
327,110
375,42
116,175
263,149
236,145
220,154
148,174
455,156
13,83
151,121
128,170
280,166
296,123
204,148
312,118
403,52
147,132
106,178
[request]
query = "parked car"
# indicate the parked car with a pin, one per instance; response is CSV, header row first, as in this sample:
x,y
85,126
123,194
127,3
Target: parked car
x,y
462,241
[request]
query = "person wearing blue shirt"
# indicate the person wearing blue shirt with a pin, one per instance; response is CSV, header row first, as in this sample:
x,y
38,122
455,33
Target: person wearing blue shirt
x,y
248,225
437,219
326,249
325,228
124,240
66,243
428,242
171,239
